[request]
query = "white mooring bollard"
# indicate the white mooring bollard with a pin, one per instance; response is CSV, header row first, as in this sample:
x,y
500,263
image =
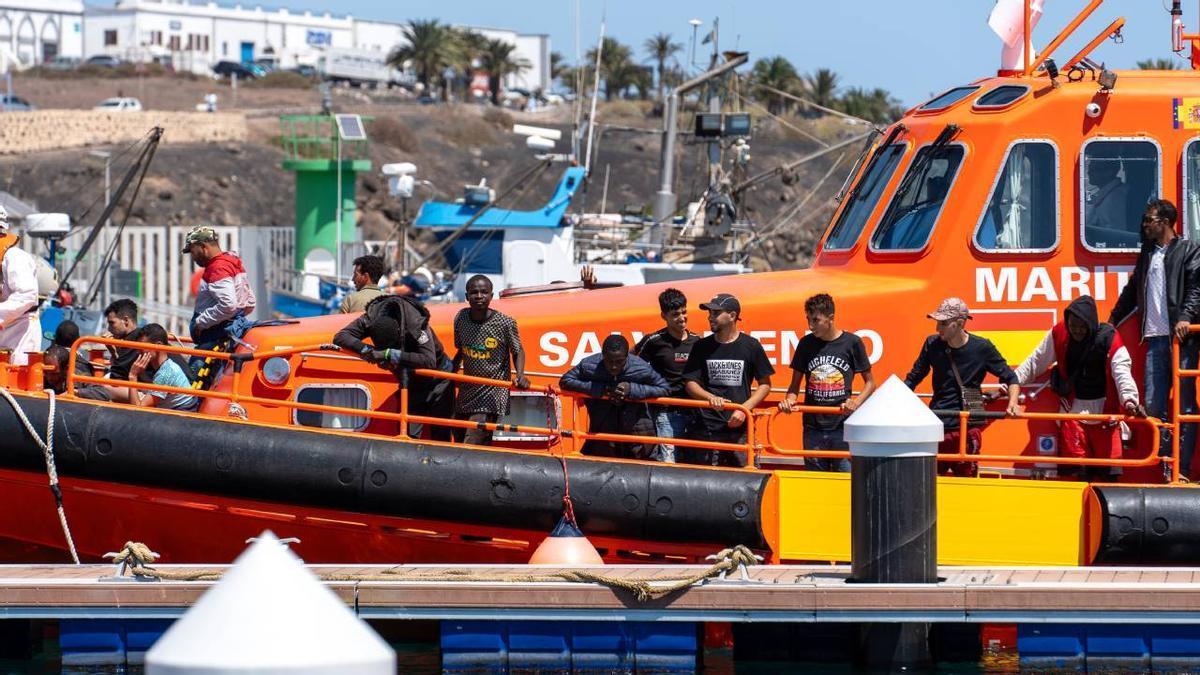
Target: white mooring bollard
x,y
269,614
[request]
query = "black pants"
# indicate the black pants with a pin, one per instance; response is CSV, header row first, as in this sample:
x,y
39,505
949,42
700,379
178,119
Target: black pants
x,y
606,417
430,397
685,455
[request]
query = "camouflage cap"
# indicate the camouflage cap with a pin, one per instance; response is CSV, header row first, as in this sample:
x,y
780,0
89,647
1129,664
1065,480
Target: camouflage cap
x,y
201,234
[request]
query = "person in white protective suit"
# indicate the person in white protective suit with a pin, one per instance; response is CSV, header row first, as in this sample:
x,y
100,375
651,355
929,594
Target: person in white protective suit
x,y
20,328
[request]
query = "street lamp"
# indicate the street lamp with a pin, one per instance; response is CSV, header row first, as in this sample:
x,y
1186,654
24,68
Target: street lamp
x,y
695,23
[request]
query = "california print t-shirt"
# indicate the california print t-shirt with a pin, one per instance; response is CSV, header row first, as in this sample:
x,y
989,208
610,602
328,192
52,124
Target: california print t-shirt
x,y
829,369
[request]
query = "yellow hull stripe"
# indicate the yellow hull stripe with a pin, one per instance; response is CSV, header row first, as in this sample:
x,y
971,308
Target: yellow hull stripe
x,y
981,521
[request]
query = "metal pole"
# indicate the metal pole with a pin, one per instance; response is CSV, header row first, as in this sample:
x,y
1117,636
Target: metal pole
x,y
337,253
664,200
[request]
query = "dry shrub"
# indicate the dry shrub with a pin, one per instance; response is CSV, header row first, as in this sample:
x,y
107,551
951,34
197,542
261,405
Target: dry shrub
x,y
393,133
466,130
281,79
498,118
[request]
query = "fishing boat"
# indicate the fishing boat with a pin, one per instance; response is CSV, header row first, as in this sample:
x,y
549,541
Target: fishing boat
x,y
981,192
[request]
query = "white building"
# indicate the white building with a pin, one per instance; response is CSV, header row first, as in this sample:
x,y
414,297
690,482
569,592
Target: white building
x,y
194,36
36,31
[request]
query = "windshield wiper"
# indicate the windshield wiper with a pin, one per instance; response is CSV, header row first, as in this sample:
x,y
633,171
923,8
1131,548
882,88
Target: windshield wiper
x,y
879,150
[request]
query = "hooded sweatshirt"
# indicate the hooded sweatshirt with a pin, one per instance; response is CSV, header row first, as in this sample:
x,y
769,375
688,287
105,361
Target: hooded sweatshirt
x,y
1095,370
393,322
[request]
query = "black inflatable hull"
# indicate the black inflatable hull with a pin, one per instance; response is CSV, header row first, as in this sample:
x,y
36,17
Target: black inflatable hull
x,y
362,474
1149,526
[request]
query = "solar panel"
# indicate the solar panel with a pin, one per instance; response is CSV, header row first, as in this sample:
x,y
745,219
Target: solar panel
x,y
350,127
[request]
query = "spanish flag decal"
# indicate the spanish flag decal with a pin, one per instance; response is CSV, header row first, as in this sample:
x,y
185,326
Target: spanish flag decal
x,y
1015,332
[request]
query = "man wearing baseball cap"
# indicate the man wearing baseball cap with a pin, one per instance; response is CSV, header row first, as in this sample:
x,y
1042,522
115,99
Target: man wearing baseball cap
x,y
960,361
224,300
721,369
20,328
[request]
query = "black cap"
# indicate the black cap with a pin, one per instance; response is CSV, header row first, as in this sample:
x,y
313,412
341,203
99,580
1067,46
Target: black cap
x,y
724,302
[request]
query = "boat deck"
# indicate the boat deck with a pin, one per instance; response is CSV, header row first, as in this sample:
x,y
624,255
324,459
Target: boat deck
x,y
773,593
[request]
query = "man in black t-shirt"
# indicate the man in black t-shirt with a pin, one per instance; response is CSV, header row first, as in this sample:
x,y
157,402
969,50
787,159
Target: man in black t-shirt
x,y
667,351
720,370
959,362
826,360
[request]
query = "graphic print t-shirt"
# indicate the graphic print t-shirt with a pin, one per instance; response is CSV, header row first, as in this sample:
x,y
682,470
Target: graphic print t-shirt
x,y
487,350
829,369
668,356
726,370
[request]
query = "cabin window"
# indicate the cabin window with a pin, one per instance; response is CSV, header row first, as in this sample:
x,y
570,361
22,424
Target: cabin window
x,y
909,220
853,218
1191,189
1117,178
353,396
1001,96
1022,214
948,99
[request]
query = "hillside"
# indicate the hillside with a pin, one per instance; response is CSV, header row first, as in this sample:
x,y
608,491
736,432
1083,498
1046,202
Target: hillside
x,y
243,183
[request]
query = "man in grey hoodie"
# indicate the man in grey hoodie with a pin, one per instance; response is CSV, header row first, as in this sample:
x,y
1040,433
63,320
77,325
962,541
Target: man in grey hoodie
x,y
618,384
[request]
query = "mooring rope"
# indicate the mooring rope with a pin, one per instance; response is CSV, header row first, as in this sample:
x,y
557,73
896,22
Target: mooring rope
x,y
137,558
47,447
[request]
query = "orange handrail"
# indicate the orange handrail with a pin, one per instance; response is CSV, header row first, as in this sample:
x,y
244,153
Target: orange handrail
x,y
403,416
1030,68
803,452
1149,460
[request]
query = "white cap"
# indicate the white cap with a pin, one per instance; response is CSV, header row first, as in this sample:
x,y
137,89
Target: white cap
x,y
269,614
3,217
894,422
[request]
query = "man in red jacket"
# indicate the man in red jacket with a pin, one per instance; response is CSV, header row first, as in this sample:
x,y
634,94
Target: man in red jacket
x,y
1090,371
224,301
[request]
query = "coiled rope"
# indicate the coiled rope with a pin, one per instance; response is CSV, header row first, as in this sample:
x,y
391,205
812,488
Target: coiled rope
x,y
137,559
47,447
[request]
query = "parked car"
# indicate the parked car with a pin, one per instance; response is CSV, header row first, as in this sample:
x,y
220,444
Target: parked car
x,y
63,63
242,70
304,70
14,104
119,104
103,60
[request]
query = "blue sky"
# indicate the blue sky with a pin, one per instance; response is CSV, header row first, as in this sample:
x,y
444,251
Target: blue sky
x,y
913,48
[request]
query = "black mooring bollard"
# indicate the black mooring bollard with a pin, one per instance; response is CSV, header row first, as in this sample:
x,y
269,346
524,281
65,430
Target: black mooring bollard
x,y
893,441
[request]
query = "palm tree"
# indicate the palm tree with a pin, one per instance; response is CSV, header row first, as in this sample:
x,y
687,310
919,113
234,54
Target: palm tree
x,y
877,105
777,73
661,49
1158,64
614,61
466,50
559,68
499,60
821,87
429,47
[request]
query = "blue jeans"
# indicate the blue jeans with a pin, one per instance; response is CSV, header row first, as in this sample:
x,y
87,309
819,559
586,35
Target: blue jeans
x,y
669,423
821,439
1158,390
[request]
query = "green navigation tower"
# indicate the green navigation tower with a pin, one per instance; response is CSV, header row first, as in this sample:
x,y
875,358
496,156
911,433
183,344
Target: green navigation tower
x,y
327,152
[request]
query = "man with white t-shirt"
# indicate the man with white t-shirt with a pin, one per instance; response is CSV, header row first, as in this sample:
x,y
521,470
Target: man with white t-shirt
x,y
20,328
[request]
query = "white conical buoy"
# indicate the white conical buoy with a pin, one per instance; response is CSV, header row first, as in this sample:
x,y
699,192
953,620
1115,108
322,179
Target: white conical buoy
x,y
269,614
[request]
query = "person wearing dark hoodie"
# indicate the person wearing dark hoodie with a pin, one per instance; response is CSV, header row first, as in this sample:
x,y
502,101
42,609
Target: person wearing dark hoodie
x,y
401,341
617,384
1090,370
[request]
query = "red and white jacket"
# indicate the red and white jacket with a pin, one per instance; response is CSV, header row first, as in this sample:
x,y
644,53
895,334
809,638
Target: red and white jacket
x,y
224,292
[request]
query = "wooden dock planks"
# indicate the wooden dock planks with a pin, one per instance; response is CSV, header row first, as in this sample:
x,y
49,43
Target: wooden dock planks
x,y
779,593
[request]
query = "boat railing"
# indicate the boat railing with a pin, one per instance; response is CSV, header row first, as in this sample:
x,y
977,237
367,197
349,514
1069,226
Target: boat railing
x,y
553,430
753,449
1177,375
966,418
